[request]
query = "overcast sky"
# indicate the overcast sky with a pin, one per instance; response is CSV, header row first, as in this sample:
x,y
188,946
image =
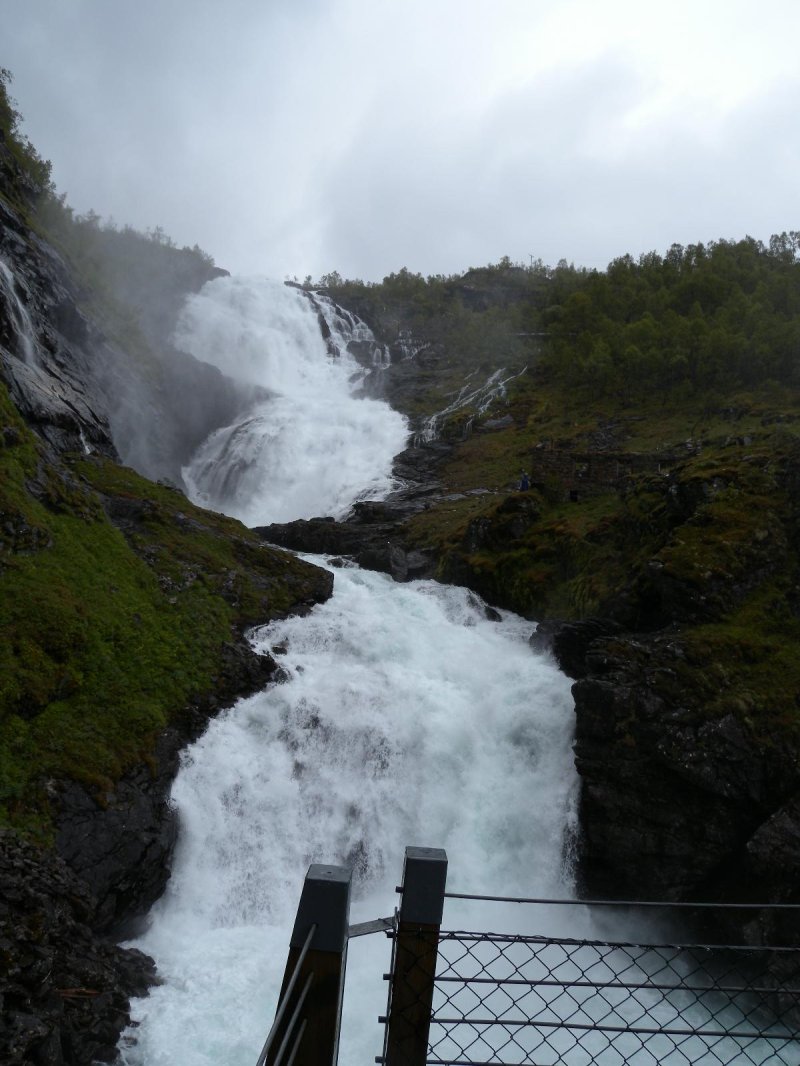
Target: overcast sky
x,y
295,137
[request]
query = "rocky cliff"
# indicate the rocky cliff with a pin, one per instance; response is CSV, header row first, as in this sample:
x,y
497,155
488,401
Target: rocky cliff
x,y
123,614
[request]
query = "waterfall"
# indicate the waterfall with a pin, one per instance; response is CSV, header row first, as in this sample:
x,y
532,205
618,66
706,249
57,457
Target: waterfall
x,y
307,444
470,397
24,335
349,333
408,718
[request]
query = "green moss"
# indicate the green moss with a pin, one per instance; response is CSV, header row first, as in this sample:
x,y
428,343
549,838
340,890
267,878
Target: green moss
x,y
105,637
714,512
749,662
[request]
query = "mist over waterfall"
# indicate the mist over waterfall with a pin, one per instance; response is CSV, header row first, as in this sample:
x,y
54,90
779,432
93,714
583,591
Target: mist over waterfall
x,y
307,444
408,718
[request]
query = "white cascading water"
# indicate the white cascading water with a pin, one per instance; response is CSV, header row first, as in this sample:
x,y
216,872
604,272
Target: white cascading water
x,y
307,445
407,718
23,330
477,398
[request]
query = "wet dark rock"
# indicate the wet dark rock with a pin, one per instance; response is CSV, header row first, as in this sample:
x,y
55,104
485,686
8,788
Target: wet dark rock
x,y
570,642
64,992
52,389
674,804
373,535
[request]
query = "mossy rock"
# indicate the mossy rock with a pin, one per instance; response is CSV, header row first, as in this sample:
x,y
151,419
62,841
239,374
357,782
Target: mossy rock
x,y
118,600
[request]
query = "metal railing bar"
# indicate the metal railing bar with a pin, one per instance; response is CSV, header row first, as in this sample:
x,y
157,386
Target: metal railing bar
x,y
753,1034
458,936
622,902
378,925
293,1020
296,1044
463,1062
500,981
285,1001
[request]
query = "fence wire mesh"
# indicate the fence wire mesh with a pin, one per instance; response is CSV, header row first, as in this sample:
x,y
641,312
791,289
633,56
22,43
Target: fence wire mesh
x,y
559,1002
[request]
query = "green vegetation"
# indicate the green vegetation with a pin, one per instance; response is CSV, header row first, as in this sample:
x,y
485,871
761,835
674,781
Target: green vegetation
x,y
119,600
707,546
659,422
105,637
716,317
25,175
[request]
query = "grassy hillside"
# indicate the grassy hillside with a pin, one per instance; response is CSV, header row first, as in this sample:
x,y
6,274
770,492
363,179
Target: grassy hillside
x,y
658,419
704,539
108,629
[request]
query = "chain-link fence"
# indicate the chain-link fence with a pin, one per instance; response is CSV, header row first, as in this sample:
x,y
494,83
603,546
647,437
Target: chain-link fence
x,y
561,1002
460,998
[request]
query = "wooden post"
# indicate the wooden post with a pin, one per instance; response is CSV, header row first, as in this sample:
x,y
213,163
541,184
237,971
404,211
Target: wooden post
x,y
306,1027
416,950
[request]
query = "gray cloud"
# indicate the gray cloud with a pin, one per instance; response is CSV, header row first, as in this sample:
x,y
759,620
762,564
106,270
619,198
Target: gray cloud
x,y
361,137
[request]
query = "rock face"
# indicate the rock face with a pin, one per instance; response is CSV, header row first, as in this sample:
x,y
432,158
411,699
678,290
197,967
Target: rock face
x,y
65,992
676,804
80,390
48,341
122,848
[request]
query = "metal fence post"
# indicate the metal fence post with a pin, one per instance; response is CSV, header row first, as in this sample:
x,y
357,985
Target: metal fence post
x,y
416,949
306,1027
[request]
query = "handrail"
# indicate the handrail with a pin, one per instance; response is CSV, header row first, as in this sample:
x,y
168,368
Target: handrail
x,y
300,1034
622,902
293,1021
308,1018
452,992
521,938
262,1058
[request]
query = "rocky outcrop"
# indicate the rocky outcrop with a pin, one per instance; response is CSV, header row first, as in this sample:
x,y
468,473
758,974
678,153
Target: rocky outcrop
x,y
83,391
65,992
569,642
121,843
371,538
677,803
45,342
373,535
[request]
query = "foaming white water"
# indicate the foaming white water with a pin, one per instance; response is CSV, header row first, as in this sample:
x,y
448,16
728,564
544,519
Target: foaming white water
x,y
408,718
25,335
307,445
